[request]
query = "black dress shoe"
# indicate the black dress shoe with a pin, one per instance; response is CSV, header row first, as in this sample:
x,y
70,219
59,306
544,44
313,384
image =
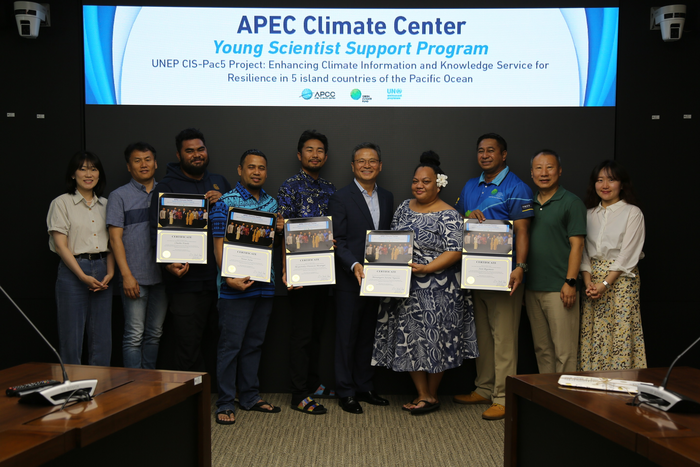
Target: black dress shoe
x,y
371,397
350,404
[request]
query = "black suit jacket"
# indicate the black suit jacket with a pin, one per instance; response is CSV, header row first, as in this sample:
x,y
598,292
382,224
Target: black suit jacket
x,y
351,221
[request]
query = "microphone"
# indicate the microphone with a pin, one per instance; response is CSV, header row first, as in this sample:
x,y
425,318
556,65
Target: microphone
x,y
661,398
59,393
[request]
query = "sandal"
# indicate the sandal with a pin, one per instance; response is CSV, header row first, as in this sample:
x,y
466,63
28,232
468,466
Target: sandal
x,y
323,393
427,407
259,408
229,413
310,406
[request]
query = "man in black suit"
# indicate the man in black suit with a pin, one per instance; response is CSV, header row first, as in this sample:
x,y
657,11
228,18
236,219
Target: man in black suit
x,y
357,208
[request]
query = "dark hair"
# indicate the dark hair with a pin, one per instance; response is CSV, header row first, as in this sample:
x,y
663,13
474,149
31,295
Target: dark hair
x,y
616,172
254,152
432,160
545,152
140,146
187,134
76,162
312,134
365,145
501,142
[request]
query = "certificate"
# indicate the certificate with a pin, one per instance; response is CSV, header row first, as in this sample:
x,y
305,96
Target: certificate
x,y
487,254
175,246
386,281
486,272
308,251
310,269
243,261
182,228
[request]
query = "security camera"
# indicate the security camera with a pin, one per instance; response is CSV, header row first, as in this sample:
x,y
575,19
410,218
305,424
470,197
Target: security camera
x,y
29,16
670,19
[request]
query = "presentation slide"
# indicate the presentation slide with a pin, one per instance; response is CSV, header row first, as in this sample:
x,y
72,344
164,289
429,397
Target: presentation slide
x,y
286,57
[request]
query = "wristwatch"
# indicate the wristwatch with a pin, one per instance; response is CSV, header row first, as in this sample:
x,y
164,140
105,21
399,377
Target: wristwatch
x,y
571,282
522,265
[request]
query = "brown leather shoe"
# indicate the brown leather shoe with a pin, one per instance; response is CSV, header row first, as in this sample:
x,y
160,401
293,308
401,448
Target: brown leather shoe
x,y
495,412
472,398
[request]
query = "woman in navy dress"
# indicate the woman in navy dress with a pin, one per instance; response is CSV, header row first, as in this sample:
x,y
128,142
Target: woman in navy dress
x,y
433,329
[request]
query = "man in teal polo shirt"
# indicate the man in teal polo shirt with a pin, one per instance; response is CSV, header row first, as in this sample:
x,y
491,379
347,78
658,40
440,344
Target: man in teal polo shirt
x,y
556,244
497,194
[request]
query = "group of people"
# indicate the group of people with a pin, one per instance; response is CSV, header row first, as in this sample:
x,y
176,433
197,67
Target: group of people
x,y
179,217
387,252
249,233
309,240
495,242
434,329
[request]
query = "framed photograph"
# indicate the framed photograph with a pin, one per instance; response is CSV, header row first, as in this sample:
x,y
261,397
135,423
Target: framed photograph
x,y
487,254
309,254
389,247
387,255
182,228
248,244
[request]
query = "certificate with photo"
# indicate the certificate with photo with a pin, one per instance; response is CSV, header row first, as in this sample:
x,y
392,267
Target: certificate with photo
x,y
182,228
248,244
487,254
309,254
387,255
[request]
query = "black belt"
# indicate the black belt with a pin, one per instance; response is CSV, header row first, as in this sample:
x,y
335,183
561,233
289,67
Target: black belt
x,y
91,256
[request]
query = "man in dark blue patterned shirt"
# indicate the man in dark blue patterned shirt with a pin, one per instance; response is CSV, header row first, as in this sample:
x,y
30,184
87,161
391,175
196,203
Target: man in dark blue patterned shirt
x,y
244,305
306,194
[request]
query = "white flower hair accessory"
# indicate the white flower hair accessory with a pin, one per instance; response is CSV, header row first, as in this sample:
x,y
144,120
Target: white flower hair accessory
x,y
442,180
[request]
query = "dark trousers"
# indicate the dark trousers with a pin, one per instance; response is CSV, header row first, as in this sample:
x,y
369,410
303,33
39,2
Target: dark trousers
x,y
190,325
356,321
309,305
243,323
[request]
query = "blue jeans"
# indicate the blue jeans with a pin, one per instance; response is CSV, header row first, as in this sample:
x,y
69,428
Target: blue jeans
x,y
143,325
243,324
81,311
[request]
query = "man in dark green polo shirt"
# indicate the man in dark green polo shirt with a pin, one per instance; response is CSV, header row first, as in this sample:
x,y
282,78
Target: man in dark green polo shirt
x,y
556,245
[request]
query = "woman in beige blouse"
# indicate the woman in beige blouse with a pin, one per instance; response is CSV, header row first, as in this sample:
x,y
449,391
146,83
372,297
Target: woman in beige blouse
x,y
611,325
78,234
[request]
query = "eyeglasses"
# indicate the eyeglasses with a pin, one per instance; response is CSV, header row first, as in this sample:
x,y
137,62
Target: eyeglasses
x,y
372,162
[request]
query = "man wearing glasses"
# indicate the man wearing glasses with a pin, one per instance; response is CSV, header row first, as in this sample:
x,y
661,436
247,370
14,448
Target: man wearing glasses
x,y
357,208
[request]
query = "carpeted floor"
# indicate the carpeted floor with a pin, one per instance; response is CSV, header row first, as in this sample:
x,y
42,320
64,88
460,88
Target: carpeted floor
x,y
455,435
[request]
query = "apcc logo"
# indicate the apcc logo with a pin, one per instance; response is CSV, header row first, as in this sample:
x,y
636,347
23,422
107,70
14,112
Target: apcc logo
x,y
308,94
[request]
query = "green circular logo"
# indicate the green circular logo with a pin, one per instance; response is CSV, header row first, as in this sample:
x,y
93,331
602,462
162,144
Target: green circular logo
x,y
355,94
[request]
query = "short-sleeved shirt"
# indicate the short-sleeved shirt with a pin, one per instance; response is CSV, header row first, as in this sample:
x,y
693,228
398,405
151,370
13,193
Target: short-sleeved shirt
x,y
128,209
239,197
506,197
561,217
302,196
83,223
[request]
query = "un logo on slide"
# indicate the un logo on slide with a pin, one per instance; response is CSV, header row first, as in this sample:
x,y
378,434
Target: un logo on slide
x,y
307,94
355,94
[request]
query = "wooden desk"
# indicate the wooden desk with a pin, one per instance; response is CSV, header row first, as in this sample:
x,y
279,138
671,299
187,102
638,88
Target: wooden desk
x,y
550,425
138,417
